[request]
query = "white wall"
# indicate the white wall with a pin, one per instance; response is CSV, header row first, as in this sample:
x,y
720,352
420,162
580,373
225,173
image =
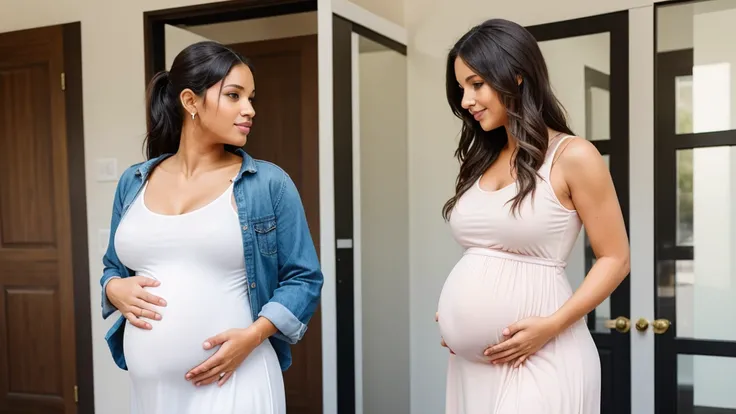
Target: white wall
x,y
433,132
384,226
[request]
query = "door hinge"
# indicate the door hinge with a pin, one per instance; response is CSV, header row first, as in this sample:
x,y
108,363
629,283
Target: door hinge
x,y
76,394
63,81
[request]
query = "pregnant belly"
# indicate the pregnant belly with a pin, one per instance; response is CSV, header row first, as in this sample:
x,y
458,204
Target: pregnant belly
x,y
193,313
483,295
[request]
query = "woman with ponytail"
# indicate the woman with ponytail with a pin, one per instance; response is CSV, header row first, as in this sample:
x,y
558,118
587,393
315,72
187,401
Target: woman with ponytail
x,y
518,340
210,260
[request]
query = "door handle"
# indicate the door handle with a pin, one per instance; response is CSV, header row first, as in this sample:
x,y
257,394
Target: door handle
x,y
621,324
659,326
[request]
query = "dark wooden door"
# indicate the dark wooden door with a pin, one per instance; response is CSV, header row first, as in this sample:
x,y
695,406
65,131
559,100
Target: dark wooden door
x,y
38,354
285,132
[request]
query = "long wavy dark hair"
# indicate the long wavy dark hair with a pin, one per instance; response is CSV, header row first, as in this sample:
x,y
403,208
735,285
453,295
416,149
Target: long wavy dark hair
x,y
198,67
500,51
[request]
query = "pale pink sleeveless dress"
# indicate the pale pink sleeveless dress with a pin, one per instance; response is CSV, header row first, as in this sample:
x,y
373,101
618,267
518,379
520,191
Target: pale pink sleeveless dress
x,y
514,268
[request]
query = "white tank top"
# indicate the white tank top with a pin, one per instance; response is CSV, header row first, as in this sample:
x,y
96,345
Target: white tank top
x,y
198,258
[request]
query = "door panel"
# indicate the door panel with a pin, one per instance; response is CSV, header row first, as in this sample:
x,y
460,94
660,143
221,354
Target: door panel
x,y
37,328
695,237
587,61
285,132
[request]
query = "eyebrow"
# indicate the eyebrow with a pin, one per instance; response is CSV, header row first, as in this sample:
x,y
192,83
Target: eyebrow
x,y
235,86
470,77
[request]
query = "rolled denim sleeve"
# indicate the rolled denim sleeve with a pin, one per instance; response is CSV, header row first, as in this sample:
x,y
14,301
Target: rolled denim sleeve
x,y
300,276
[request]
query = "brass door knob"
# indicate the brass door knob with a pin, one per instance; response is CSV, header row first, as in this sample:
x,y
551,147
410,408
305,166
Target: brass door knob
x,y
642,324
660,326
621,324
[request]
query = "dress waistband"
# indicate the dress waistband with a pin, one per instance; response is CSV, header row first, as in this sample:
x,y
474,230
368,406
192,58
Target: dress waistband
x,y
483,251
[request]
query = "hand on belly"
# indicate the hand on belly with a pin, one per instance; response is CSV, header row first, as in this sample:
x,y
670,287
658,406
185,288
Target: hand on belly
x,y
522,339
174,345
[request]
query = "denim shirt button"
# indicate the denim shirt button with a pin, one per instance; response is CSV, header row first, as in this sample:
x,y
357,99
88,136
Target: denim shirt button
x,y
253,285
245,227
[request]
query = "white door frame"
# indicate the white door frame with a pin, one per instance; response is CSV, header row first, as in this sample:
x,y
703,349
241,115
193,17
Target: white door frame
x,y
393,31
641,199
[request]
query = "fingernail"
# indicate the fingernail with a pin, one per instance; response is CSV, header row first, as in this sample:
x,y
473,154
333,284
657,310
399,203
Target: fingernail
x,y
207,345
506,331
148,326
189,376
199,383
158,317
162,302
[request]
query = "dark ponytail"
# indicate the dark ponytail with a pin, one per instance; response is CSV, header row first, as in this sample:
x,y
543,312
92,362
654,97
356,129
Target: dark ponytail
x,y
198,67
163,118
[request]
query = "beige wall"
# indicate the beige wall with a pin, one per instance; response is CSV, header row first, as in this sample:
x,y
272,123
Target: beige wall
x,y
392,10
114,121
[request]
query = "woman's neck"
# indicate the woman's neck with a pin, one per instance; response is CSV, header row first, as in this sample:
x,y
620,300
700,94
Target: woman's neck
x,y
195,156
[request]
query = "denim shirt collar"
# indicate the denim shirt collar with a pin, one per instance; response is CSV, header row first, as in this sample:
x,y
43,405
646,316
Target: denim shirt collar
x,y
248,164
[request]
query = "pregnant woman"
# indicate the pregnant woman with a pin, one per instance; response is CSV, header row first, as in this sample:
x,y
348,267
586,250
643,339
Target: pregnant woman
x,y
516,331
210,259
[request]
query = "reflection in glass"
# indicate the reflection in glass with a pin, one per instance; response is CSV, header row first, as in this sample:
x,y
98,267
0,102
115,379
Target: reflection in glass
x,y
579,71
683,104
706,286
705,100
704,384
684,198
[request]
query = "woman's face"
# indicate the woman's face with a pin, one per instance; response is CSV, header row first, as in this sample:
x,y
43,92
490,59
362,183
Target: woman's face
x,y
227,114
479,98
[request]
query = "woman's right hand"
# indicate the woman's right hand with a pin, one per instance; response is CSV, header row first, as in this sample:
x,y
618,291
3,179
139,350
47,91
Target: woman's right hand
x,y
133,301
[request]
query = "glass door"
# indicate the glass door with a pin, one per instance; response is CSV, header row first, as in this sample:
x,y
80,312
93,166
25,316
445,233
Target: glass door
x,y
588,63
695,232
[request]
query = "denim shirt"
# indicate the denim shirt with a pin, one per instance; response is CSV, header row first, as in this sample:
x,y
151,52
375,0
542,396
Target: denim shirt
x,y
282,271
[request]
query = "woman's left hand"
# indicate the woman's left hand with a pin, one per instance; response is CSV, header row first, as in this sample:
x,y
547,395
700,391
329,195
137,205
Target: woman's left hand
x,y
237,344
521,340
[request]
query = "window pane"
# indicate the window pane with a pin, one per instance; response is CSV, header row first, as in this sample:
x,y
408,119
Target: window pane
x,y
579,71
706,286
702,33
705,384
684,210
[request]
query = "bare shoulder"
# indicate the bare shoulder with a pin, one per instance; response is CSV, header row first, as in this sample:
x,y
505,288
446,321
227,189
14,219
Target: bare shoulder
x,y
582,165
578,153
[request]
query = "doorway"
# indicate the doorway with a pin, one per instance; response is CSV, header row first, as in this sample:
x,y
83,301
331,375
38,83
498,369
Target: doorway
x,y
695,204
283,52
45,322
588,64
372,219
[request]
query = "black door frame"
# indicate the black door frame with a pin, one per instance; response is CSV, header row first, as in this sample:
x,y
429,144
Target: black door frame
x,y
614,348
154,22
670,396
342,30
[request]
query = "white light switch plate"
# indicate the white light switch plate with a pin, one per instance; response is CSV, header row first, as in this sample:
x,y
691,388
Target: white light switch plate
x,y
107,169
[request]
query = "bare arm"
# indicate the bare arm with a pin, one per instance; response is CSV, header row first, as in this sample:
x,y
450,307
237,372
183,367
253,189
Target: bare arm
x,y
594,196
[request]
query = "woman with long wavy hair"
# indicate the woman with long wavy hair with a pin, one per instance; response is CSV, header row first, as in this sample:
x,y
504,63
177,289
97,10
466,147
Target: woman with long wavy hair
x,y
515,329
